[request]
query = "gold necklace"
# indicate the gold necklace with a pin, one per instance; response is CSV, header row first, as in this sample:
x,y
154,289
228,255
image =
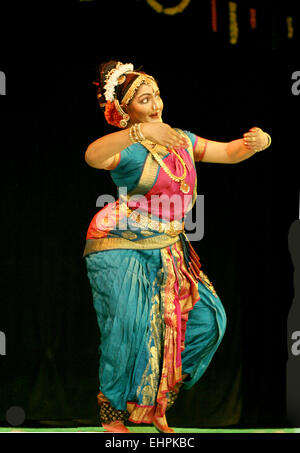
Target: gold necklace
x,y
184,187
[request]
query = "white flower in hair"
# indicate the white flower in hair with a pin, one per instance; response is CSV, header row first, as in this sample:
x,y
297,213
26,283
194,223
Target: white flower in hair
x,y
112,79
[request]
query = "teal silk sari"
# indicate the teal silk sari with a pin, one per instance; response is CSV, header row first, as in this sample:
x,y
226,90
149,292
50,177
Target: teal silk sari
x,y
159,315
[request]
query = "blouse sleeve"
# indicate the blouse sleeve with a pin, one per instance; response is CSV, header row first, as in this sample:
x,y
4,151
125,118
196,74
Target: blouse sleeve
x,y
115,162
202,144
129,166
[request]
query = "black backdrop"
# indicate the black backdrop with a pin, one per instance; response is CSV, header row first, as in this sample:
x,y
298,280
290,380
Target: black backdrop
x,y
48,198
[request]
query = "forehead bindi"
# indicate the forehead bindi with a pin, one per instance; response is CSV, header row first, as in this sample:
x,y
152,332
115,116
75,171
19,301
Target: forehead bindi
x,y
149,88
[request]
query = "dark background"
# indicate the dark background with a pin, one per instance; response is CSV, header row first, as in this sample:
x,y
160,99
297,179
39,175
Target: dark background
x,y
48,197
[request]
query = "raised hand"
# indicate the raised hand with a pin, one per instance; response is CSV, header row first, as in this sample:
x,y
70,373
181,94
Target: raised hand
x,y
256,139
163,134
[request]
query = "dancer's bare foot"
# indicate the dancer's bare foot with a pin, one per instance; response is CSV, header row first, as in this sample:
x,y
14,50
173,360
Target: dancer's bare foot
x,y
115,427
161,425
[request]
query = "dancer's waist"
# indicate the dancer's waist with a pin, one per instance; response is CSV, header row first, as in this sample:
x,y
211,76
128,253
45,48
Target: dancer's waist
x,y
140,220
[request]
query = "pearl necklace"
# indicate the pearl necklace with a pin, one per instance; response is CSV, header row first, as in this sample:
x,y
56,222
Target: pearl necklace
x,y
184,187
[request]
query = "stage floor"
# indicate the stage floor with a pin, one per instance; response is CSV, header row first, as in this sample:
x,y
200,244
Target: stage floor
x,y
146,430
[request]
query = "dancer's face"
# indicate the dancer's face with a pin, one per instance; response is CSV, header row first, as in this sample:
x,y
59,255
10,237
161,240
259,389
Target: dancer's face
x,y
146,105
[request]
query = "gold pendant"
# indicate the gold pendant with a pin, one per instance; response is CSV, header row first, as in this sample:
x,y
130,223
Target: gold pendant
x,y
184,187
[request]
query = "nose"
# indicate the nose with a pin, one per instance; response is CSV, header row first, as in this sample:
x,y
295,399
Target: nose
x,y
155,106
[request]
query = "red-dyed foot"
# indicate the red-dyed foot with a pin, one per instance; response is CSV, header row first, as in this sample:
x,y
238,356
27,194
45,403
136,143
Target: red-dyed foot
x,y
161,425
115,427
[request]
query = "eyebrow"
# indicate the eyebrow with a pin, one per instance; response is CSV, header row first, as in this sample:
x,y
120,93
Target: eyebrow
x,y
147,94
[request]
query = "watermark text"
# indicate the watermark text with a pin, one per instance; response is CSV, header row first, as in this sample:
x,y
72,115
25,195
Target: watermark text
x,y
2,343
295,348
2,83
157,213
296,85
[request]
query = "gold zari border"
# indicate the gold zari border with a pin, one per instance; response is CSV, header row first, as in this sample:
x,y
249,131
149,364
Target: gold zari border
x,y
96,245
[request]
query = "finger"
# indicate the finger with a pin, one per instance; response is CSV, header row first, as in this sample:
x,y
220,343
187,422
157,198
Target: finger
x,y
176,141
249,141
177,135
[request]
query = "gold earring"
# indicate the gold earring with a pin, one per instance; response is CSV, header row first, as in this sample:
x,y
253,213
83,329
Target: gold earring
x,y
123,122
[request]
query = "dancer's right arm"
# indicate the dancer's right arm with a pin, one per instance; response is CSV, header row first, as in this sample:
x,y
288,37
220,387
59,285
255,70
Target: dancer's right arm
x,y
101,153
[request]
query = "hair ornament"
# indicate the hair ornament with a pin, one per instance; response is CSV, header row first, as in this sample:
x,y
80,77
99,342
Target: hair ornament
x,y
113,78
142,78
115,115
121,79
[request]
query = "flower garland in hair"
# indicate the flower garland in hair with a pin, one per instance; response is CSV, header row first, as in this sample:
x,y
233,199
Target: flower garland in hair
x,y
112,116
158,7
112,79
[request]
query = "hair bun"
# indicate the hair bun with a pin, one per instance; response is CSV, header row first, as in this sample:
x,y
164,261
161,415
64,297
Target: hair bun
x,y
104,69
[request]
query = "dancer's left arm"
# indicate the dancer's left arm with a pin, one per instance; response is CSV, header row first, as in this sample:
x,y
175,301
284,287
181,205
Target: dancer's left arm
x,y
234,151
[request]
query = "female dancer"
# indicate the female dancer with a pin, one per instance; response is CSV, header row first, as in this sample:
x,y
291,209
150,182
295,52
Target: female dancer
x,y
160,318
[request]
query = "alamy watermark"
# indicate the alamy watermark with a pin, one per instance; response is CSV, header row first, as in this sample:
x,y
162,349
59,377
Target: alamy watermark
x,y
296,85
2,343
2,83
295,347
166,213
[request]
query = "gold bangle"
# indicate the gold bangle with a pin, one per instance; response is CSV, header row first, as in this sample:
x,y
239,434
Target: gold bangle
x,y
132,138
135,133
140,133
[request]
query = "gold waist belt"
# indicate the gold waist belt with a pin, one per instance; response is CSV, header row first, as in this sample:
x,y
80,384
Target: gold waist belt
x,y
146,221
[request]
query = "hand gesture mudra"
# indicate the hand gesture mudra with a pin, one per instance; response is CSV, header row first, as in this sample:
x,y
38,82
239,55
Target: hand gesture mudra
x,y
163,134
256,139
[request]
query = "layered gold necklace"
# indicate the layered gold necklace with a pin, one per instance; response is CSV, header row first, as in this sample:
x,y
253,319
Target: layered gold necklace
x,y
184,186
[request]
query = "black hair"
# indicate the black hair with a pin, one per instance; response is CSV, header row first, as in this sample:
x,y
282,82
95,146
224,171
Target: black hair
x,y
102,70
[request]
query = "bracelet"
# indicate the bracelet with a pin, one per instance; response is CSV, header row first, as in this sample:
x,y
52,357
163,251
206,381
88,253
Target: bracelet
x,y
133,139
268,144
135,133
140,133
